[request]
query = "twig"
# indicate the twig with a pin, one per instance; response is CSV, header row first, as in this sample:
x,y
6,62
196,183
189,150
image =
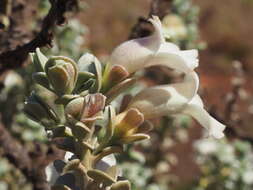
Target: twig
x,y
15,58
160,8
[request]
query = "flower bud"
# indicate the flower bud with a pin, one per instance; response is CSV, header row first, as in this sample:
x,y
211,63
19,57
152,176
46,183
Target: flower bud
x,y
126,127
62,74
86,109
38,110
113,76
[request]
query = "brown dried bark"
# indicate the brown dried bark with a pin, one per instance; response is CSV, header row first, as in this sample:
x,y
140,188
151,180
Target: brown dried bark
x,y
15,58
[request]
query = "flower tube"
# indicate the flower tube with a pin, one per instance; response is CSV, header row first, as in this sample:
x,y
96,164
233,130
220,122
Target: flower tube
x,y
178,98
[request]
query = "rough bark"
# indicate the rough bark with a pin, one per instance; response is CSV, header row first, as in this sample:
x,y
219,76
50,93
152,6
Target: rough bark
x,y
15,58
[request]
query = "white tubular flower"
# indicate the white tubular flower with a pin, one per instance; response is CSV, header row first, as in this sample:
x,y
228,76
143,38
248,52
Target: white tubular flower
x,y
186,60
144,52
166,99
178,98
195,108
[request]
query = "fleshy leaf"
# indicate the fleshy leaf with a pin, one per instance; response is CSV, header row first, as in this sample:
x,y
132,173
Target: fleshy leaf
x,y
38,110
101,177
41,79
39,60
62,131
66,143
83,77
65,99
113,172
121,185
80,130
91,64
134,138
66,181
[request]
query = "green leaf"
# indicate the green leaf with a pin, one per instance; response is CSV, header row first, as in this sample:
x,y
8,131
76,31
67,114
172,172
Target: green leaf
x,y
41,79
62,131
83,77
121,185
80,130
134,138
101,177
65,99
39,60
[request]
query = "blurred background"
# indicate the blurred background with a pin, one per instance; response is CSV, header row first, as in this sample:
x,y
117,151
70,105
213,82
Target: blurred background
x,y
178,156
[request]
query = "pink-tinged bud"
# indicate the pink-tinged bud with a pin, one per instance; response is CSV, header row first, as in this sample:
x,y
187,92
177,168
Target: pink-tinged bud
x,y
86,109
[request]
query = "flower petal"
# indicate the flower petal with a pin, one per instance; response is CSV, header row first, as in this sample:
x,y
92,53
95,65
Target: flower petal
x,y
191,57
134,53
170,55
196,110
144,52
166,99
172,61
168,47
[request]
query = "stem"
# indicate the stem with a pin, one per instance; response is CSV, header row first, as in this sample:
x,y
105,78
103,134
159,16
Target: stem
x,y
86,155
